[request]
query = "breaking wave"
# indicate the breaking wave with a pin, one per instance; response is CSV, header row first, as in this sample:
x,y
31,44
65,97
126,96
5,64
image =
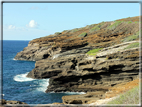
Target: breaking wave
x,y
22,78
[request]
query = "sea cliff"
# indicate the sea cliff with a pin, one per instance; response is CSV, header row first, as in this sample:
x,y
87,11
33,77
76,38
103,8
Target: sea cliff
x,y
90,59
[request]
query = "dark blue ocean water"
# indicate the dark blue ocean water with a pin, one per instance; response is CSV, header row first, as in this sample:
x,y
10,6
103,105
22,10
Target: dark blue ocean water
x,y
16,86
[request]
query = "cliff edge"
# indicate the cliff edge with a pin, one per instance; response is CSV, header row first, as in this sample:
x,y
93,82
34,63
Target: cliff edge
x,y
89,59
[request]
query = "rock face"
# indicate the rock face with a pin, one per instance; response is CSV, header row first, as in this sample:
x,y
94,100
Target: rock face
x,y
83,99
47,68
97,73
12,103
99,35
62,58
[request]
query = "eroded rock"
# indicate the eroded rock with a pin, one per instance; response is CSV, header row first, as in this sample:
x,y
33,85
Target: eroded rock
x,y
12,103
63,59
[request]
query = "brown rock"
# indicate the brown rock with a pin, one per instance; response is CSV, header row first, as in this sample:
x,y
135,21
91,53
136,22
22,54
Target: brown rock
x,y
13,103
84,98
62,58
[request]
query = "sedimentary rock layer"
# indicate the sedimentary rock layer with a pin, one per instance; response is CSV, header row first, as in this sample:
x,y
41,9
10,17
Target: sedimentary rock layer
x,y
63,58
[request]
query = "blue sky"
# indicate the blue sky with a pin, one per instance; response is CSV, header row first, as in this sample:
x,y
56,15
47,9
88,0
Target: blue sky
x,y
27,21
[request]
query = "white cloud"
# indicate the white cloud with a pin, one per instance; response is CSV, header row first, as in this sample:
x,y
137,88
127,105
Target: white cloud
x,y
11,27
32,24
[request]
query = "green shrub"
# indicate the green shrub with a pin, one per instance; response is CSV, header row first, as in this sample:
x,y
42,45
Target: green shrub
x,y
131,38
57,33
129,22
75,30
83,34
93,51
66,31
89,26
97,27
133,45
130,97
113,26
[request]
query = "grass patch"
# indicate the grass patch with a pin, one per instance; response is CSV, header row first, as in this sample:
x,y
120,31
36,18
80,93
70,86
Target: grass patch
x,y
113,26
83,34
93,51
66,31
130,97
97,27
75,30
88,26
133,45
129,22
131,38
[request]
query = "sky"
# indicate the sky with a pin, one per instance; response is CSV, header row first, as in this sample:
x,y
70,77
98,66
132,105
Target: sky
x,y
27,21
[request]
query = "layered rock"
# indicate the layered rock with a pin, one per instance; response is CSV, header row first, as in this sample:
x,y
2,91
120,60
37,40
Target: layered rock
x,y
98,36
97,74
47,68
80,72
12,103
62,58
83,99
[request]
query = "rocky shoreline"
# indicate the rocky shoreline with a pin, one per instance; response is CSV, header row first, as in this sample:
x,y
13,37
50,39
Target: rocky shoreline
x,y
64,58
4,103
92,97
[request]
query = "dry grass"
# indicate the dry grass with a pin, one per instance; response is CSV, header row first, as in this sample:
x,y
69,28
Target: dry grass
x,y
129,97
128,93
121,88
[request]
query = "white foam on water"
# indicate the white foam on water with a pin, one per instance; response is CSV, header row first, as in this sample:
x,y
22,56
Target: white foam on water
x,y
22,78
75,92
43,83
69,92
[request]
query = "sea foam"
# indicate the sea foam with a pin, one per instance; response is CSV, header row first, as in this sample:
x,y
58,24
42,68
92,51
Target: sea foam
x,y
43,83
22,78
72,93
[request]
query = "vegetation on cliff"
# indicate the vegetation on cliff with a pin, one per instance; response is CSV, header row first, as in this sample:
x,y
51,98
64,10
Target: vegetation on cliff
x,y
133,45
94,51
130,97
132,37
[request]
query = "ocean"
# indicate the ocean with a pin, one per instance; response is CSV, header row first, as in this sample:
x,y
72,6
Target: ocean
x,y
15,84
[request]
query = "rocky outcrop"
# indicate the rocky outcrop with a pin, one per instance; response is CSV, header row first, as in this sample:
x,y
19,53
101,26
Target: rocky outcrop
x,y
12,103
33,52
100,35
80,72
62,58
83,99
96,74
47,68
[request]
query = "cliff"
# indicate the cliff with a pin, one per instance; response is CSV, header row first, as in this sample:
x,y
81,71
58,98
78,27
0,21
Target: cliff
x,y
89,59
